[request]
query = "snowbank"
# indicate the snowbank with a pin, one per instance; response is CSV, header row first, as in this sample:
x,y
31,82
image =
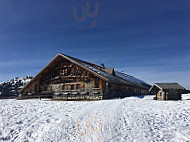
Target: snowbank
x,y
11,88
140,119
185,96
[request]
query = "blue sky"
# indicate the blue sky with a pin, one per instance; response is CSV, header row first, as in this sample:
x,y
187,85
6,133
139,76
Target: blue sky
x,y
148,39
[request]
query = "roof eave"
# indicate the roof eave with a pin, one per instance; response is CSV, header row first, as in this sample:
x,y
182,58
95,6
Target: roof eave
x,y
38,73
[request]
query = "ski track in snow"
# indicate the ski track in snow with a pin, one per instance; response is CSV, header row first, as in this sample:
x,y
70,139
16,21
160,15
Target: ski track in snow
x,y
138,119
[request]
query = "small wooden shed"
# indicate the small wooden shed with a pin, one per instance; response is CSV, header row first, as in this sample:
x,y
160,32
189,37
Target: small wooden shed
x,y
167,91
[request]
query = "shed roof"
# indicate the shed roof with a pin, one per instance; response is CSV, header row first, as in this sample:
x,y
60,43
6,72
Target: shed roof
x,y
163,86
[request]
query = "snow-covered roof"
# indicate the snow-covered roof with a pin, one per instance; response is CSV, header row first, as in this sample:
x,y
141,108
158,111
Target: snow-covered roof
x,y
132,79
107,75
117,77
168,86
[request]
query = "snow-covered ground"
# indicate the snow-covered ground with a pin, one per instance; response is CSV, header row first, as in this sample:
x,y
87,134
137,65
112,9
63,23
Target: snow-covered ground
x,y
138,119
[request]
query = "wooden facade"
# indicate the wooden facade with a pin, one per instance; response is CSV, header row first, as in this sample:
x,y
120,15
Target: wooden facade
x,y
167,91
68,78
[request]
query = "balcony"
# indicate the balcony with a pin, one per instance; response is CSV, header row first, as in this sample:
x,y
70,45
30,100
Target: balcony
x,y
80,94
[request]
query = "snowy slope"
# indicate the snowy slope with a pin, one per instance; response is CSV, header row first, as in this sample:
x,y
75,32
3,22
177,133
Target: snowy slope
x,y
131,119
11,87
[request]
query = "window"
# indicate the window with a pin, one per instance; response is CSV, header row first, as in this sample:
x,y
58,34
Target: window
x,y
160,93
78,86
72,87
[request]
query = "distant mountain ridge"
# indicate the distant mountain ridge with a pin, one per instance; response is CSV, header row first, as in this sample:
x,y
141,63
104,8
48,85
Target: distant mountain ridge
x,y
11,88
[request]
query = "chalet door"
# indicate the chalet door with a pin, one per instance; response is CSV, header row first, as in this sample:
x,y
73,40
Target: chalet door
x,y
164,96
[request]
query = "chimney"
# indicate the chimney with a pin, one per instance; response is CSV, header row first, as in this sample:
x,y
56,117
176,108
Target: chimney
x,y
102,65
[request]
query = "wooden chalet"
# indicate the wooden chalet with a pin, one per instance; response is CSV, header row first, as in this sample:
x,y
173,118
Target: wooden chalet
x,y
167,91
68,78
